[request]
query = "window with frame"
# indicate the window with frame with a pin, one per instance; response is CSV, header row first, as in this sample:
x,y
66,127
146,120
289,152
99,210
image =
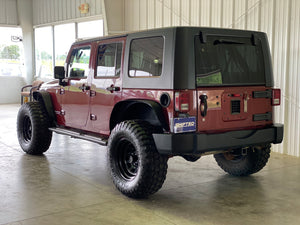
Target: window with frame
x,y
44,52
64,36
229,61
11,52
79,62
109,60
146,57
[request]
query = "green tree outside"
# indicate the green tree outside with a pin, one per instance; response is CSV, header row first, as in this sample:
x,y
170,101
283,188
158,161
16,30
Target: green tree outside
x,y
10,52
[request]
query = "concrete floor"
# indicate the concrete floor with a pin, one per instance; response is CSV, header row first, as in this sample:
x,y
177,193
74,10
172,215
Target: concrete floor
x,y
70,184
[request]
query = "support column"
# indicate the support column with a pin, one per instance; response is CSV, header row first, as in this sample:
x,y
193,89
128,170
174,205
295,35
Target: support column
x,y
114,16
25,12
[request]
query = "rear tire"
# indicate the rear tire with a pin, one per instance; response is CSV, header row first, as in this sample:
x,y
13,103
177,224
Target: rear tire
x,y
137,169
33,128
244,165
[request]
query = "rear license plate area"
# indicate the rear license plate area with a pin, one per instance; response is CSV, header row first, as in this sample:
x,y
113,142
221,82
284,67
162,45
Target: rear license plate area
x,y
186,124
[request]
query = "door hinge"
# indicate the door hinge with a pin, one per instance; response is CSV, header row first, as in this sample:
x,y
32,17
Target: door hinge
x,y
260,117
93,117
92,93
262,94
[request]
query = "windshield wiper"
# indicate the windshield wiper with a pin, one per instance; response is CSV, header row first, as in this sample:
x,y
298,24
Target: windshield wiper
x,y
208,74
228,42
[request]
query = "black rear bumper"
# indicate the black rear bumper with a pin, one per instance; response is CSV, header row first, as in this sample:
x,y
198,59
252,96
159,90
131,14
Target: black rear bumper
x,y
196,143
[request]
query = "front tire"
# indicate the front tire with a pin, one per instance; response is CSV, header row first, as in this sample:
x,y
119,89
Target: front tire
x,y
137,169
32,128
238,164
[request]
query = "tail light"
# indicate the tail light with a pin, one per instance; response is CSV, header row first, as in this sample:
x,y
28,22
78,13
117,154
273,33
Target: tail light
x,y
276,97
182,100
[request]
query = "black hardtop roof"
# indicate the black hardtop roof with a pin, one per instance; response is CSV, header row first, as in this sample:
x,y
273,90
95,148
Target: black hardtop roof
x,y
184,29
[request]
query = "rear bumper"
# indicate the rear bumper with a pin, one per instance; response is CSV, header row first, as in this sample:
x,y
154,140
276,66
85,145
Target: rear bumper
x,y
195,143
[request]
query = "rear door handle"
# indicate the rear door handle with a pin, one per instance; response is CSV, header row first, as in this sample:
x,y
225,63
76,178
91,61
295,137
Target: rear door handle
x,y
113,88
84,87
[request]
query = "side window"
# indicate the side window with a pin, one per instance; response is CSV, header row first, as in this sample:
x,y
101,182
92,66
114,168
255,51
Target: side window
x,y
79,62
146,57
109,60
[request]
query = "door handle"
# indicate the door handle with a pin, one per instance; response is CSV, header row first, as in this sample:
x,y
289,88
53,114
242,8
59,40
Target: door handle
x,y
84,87
113,88
203,105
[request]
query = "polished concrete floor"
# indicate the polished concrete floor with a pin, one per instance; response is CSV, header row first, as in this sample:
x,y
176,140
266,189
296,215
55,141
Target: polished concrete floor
x,y
70,184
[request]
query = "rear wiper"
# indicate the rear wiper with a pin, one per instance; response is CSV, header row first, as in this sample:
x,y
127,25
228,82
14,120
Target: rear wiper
x,y
208,74
228,42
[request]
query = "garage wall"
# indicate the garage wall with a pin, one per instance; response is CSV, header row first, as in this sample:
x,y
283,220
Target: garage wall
x,y
51,11
10,89
279,19
8,12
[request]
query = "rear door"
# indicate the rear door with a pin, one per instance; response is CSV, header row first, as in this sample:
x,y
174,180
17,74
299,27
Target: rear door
x,y
231,84
106,83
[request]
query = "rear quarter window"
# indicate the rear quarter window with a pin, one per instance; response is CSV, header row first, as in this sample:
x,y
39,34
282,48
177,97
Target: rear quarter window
x,y
146,57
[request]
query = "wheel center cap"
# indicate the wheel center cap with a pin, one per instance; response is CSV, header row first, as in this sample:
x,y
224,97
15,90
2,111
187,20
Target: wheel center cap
x,y
130,160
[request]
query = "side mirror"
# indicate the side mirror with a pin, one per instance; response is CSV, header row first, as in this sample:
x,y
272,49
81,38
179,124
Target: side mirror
x,y
59,73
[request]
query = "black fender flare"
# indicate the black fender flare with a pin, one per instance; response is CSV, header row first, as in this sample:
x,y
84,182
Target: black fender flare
x,y
45,98
154,110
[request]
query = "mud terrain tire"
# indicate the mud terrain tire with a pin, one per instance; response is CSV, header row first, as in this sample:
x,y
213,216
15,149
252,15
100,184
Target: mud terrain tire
x,y
137,169
32,128
244,165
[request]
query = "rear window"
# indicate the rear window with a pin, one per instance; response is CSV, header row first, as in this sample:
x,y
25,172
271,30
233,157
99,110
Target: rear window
x,y
229,61
109,60
146,57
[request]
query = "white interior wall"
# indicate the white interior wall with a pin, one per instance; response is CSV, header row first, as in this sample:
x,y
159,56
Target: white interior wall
x,y
53,11
8,13
10,89
279,19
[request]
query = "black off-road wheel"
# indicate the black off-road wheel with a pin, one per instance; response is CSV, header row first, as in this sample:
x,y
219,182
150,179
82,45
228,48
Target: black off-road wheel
x,y
32,128
238,164
137,169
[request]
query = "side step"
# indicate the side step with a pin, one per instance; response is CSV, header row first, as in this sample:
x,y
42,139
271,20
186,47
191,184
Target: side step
x,y
79,135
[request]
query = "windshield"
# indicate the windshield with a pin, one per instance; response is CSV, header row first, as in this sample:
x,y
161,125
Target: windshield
x,y
229,61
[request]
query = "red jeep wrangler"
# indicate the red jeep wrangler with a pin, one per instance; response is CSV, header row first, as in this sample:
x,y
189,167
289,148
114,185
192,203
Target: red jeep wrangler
x,y
151,95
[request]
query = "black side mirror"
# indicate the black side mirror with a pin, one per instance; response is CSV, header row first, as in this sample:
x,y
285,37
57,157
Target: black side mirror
x,y
59,73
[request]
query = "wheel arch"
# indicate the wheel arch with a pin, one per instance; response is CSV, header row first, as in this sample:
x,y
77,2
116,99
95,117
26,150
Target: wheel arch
x,y
146,110
45,99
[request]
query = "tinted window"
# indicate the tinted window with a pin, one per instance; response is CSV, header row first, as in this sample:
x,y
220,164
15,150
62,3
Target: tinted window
x,y
224,61
79,62
146,57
